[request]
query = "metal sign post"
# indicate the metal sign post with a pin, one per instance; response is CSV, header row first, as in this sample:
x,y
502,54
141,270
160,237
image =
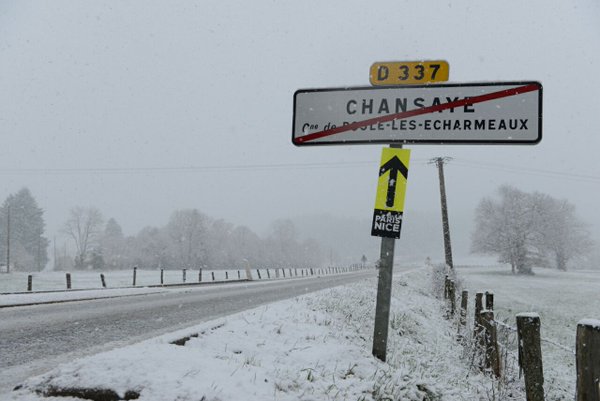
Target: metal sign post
x,y
387,223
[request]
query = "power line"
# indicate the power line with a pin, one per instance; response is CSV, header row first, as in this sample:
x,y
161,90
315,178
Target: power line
x,y
186,169
526,170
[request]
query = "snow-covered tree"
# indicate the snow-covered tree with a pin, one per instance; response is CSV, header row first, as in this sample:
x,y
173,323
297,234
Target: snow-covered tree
x,y
22,225
84,226
507,228
562,235
187,231
113,246
526,229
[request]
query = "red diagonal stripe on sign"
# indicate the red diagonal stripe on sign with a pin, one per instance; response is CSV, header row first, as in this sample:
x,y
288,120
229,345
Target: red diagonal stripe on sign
x,y
417,112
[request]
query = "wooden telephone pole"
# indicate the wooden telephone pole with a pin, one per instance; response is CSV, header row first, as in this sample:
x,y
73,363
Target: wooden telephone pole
x,y
439,161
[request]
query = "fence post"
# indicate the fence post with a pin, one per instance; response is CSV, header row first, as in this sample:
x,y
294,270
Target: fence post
x,y
134,274
530,355
268,274
258,273
477,317
162,276
464,302
183,275
446,287
200,275
296,271
239,275
489,300
102,280
29,282
68,281
283,271
492,354
290,271
588,360
452,297
226,275
213,275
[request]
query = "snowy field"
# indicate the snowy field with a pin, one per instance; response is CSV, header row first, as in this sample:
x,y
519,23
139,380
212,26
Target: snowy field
x,y
561,299
52,281
318,347
314,347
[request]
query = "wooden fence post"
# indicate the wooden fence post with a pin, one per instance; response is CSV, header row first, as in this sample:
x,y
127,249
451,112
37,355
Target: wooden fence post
x,y
477,317
68,275
446,287
489,300
226,275
213,275
268,274
183,275
296,272
200,275
134,274
162,276
464,302
258,273
30,283
239,275
492,354
452,297
530,355
102,280
588,360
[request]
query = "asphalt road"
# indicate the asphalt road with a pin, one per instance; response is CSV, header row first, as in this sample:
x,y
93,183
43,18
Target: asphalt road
x,y
33,339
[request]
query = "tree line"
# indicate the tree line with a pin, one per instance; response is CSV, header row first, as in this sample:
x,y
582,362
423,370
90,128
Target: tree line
x,y
530,229
190,239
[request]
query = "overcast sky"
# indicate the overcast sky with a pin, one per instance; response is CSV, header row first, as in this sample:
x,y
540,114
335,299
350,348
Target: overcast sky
x,y
143,107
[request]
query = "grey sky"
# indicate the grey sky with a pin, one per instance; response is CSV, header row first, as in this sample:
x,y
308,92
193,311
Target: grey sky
x,y
139,84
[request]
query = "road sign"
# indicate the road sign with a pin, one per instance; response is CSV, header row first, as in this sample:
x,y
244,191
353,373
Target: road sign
x,y
391,187
408,72
475,113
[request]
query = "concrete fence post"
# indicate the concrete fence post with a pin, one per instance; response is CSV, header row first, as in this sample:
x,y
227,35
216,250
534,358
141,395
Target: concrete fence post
x,y
530,355
588,360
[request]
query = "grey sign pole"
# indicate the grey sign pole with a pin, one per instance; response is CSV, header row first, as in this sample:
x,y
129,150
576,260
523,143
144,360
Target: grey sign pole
x,y
384,295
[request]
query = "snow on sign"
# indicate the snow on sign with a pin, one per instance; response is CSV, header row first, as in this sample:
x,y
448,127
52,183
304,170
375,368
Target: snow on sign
x,y
391,187
474,113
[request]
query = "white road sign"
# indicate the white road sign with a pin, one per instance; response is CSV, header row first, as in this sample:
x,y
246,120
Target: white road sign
x,y
476,113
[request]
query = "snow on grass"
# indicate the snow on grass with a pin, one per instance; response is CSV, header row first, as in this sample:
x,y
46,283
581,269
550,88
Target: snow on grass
x,y
561,299
313,347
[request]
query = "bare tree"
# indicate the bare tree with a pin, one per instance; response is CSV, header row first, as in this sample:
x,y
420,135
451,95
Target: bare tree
x,y
84,227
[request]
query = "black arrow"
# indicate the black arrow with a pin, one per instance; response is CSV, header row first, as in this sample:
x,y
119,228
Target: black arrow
x,y
394,165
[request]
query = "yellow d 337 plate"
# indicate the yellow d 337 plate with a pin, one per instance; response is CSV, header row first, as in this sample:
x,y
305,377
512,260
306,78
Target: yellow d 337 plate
x,y
408,72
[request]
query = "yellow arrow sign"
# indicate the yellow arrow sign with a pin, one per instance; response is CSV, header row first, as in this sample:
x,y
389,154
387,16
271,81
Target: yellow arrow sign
x,y
391,188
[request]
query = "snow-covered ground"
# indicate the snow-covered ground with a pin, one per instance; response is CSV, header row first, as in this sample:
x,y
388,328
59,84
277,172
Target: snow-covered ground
x,y
561,298
314,347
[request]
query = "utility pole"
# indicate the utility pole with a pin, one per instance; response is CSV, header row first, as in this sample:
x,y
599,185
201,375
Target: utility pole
x,y
8,238
439,161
